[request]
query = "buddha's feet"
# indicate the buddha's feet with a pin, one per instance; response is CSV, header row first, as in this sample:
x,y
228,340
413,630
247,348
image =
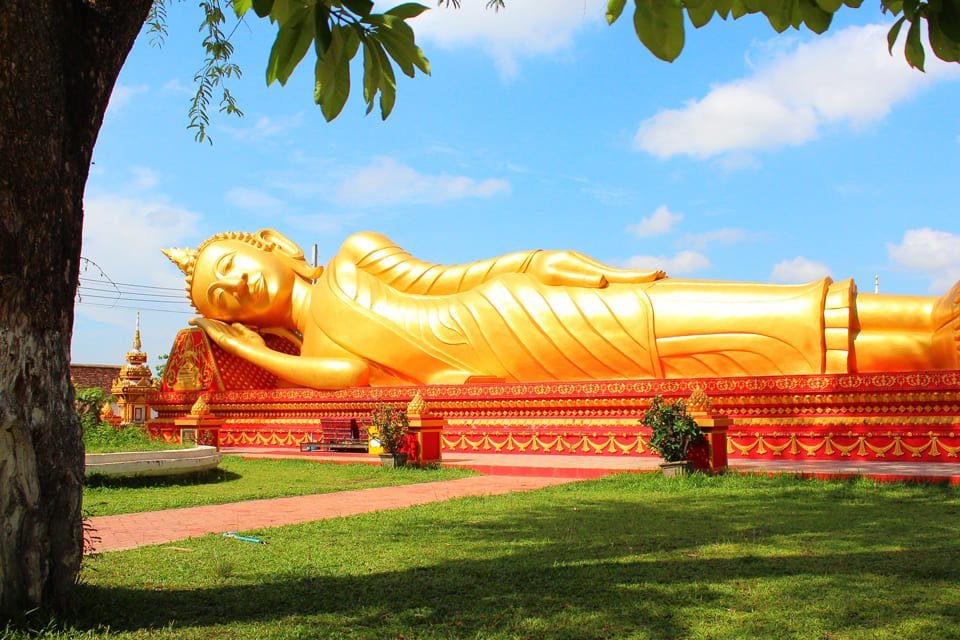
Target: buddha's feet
x,y
946,330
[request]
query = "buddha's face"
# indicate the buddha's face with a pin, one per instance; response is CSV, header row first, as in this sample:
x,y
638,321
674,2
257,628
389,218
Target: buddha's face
x,y
236,282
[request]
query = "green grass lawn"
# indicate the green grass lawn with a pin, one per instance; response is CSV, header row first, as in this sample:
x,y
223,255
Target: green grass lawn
x,y
237,479
629,556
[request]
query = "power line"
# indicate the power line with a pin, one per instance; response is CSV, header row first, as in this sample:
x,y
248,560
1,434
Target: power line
x,y
119,295
125,299
120,306
139,286
86,287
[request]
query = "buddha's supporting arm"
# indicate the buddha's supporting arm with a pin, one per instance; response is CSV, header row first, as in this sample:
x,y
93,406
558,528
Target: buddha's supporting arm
x,y
378,256
314,372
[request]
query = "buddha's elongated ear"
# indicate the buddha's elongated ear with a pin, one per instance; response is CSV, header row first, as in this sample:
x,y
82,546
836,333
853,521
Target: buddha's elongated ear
x,y
280,243
303,268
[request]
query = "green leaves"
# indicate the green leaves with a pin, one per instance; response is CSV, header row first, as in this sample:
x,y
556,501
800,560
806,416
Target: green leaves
x,y
659,25
217,69
945,45
614,9
332,71
943,29
672,430
406,11
914,47
293,39
337,29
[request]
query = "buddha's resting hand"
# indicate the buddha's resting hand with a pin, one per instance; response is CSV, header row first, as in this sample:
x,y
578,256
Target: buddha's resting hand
x,y
574,269
233,338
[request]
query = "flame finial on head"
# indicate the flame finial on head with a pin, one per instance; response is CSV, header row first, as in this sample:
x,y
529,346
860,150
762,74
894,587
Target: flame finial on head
x,y
183,258
186,260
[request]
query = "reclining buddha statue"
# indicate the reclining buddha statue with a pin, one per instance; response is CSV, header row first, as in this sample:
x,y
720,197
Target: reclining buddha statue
x,y
378,316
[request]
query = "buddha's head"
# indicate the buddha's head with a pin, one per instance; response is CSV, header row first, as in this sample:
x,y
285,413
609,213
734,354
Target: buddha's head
x,y
242,277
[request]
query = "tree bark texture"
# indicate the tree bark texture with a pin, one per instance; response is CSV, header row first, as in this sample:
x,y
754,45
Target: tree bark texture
x,y
59,60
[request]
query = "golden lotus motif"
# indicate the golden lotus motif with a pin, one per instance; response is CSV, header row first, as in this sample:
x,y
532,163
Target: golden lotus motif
x,y
376,315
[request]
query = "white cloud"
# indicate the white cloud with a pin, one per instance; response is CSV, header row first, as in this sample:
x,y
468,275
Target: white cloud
x,y
252,199
525,28
124,235
387,182
175,86
144,178
932,252
799,270
123,95
847,78
682,263
265,127
657,223
607,195
728,235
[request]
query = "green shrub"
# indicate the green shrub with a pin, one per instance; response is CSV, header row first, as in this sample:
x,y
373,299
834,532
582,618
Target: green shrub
x,y
673,430
99,437
88,403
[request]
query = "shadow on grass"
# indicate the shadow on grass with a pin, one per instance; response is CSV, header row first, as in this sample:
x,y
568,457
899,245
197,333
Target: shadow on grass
x,y
213,476
585,566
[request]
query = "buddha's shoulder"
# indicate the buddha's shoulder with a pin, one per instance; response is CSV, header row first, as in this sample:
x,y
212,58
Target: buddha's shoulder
x,y
365,242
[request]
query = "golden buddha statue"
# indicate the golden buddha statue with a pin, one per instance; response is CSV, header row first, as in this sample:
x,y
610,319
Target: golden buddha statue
x,y
377,315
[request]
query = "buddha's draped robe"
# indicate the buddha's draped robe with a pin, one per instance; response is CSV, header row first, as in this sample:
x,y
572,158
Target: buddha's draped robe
x,y
417,322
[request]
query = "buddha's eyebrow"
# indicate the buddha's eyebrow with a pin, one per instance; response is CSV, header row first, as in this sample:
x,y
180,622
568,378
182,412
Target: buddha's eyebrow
x,y
224,263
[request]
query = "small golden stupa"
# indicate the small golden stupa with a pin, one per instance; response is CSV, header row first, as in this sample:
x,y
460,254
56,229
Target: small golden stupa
x,y
134,385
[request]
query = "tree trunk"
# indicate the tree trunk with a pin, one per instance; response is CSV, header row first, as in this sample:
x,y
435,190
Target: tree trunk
x,y
59,60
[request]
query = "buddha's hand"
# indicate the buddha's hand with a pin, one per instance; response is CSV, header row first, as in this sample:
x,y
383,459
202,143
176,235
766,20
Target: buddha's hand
x,y
573,269
233,338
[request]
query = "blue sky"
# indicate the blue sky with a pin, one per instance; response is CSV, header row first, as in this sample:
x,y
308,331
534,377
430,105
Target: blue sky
x,y
754,156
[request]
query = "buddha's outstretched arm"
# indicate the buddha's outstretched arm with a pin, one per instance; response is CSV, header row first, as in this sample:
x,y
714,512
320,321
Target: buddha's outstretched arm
x,y
313,372
378,256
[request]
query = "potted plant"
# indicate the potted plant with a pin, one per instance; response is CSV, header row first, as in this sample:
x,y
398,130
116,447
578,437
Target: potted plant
x,y
673,433
391,428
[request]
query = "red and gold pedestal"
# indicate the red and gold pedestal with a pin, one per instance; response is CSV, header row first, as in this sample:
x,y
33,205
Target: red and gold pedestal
x,y
909,416
200,426
426,431
709,456
202,431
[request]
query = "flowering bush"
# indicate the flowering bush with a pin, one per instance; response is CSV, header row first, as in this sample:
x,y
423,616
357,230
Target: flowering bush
x,y
392,426
673,431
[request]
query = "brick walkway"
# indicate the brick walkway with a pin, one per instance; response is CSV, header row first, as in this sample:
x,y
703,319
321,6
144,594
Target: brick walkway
x,y
132,530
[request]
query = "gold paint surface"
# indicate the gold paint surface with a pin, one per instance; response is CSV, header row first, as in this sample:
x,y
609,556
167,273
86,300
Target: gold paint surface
x,y
378,316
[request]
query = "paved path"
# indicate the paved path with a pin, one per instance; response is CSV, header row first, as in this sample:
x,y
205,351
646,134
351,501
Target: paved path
x,y
132,530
